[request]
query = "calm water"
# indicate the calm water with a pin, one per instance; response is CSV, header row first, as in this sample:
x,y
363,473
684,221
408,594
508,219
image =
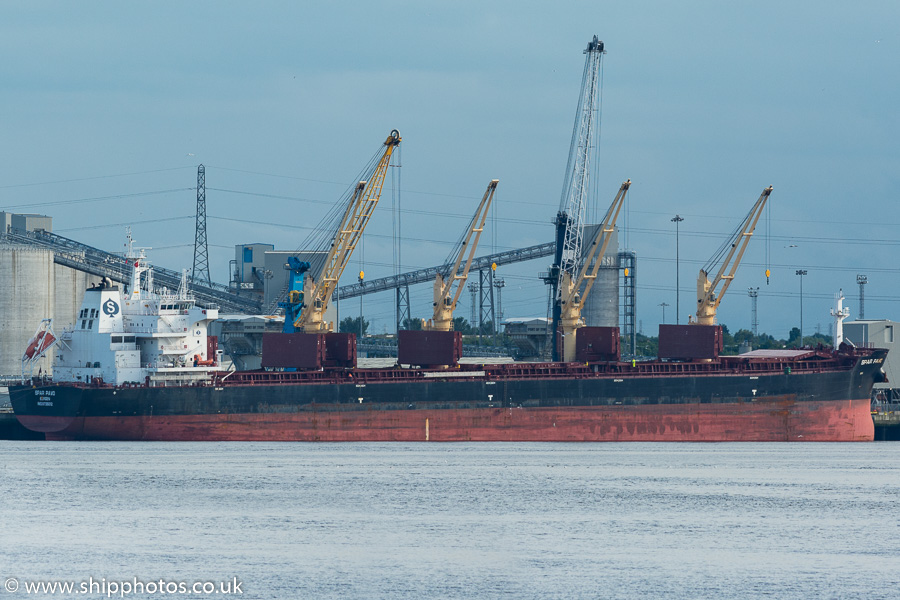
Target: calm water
x,y
458,520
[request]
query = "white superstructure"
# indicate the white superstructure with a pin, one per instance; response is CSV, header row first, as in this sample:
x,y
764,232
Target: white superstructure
x,y
839,312
124,338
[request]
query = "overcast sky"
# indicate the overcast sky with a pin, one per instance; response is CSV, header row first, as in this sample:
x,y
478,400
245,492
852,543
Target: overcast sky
x,y
108,108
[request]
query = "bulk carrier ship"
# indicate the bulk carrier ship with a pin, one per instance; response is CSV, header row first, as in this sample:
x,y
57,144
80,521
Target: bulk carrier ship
x,y
141,366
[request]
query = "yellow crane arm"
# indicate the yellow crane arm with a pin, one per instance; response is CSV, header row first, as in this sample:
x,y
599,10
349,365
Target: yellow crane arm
x,y
443,304
708,298
596,250
572,297
356,217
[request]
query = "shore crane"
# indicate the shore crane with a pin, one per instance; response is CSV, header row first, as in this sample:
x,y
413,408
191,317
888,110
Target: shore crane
x,y
444,305
708,298
297,269
572,296
582,150
318,290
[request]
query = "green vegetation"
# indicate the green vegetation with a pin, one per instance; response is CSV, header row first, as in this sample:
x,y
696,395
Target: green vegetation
x,y
351,325
412,324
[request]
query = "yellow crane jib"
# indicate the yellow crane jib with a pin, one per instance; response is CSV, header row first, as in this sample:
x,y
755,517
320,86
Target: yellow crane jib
x,y
708,294
572,295
444,305
359,209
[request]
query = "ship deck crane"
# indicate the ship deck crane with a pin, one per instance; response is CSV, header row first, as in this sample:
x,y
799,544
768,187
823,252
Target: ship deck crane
x,y
444,305
572,296
318,290
708,298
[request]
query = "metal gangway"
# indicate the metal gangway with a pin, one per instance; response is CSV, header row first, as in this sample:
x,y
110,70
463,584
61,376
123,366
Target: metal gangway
x,y
98,262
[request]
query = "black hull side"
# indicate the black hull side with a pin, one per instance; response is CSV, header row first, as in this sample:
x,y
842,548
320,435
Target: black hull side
x,y
194,412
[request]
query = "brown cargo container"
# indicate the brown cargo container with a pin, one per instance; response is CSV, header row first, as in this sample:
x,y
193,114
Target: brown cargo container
x,y
293,350
686,342
340,350
597,344
212,346
429,348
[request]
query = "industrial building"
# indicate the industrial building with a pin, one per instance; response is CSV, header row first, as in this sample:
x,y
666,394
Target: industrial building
x,y
240,338
878,333
260,271
28,222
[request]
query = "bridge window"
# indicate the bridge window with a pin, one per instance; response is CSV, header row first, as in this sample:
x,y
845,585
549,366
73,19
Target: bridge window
x,y
117,339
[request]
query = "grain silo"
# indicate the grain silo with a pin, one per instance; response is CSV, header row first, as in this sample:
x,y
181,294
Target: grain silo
x,y
68,291
602,306
26,297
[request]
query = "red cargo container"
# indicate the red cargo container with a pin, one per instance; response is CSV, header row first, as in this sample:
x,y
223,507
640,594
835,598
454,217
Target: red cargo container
x,y
293,350
686,342
429,348
597,344
340,350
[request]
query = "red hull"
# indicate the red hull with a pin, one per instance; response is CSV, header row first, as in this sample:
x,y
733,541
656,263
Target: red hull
x,y
832,421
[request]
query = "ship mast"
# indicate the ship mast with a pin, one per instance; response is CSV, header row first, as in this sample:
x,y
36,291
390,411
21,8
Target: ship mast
x,y
839,312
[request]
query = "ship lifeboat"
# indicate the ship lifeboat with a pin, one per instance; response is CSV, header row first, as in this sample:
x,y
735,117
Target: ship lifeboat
x,y
39,343
199,362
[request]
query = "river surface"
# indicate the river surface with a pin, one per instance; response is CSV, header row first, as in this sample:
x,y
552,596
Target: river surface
x,y
487,520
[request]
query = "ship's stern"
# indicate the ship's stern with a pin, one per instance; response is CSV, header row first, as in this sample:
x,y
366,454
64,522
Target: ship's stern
x,y
54,410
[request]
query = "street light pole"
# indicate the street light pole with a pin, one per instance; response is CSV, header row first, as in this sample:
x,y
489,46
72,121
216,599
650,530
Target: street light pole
x,y
677,219
801,273
361,276
664,305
